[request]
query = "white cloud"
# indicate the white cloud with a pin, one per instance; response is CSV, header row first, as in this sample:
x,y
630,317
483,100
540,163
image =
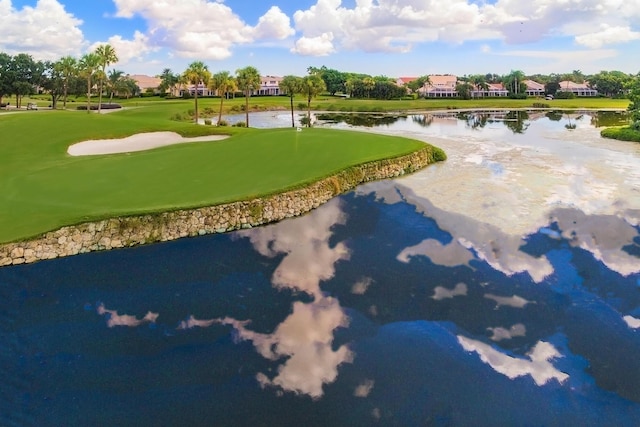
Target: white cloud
x,y
115,319
128,50
274,24
46,31
537,365
202,29
608,35
314,46
397,25
450,255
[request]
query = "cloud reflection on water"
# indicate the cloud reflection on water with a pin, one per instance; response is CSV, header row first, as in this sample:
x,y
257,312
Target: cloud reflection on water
x,y
305,337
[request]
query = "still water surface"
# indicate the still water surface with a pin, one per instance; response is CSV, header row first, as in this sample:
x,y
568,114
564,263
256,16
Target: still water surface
x,y
501,287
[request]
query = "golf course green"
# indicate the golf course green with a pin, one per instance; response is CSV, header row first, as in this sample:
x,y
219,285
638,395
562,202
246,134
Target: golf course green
x,y
43,188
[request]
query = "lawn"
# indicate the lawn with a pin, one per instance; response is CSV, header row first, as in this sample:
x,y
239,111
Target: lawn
x,y
42,188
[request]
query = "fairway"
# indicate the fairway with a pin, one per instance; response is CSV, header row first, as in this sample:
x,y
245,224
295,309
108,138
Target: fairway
x,y
43,188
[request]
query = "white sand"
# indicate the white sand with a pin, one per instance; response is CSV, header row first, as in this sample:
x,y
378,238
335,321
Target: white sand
x,y
138,142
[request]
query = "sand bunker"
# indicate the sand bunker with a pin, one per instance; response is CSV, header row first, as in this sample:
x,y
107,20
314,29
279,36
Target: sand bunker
x,y
138,142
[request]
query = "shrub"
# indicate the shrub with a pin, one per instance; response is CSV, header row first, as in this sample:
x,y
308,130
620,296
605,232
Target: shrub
x,y
565,95
208,111
623,133
223,123
102,107
240,125
541,105
207,122
302,106
517,96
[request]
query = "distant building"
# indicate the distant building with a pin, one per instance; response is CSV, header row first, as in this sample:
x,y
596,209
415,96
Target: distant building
x,y
579,89
534,88
492,90
146,83
440,86
269,85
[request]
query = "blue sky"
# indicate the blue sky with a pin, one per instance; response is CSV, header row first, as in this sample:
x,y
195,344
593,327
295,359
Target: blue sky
x,y
379,37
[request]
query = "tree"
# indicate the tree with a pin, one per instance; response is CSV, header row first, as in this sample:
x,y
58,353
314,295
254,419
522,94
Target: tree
x,y
88,66
610,83
197,73
248,79
514,82
113,82
67,66
5,75
464,90
107,56
222,82
291,85
368,84
24,74
168,80
634,106
311,86
479,82
53,82
417,84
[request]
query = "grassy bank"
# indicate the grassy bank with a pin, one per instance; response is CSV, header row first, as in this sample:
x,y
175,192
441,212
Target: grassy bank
x,y
42,188
622,133
330,103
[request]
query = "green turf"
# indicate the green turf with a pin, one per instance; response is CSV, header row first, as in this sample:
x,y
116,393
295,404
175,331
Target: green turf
x,y
43,188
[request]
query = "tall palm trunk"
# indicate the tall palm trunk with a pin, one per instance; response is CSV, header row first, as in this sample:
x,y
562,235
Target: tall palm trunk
x,y
88,95
195,94
293,122
246,106
220,112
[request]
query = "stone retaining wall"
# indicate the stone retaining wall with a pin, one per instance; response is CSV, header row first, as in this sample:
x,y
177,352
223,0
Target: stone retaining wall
x,y
140,230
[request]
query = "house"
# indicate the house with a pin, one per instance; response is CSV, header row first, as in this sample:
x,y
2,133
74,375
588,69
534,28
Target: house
x,y
579,89
534,88
440,86
403,81
492,90
146,83
269,85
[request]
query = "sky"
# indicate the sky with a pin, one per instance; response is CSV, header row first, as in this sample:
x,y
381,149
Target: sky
x,y
394,38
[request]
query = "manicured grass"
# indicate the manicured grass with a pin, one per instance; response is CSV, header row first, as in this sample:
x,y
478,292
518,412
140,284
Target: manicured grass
x,y
42,188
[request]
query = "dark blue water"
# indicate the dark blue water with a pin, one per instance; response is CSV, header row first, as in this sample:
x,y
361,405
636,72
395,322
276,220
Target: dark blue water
x,y
371,310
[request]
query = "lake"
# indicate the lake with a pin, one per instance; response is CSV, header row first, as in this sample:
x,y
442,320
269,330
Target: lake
x,y
501,287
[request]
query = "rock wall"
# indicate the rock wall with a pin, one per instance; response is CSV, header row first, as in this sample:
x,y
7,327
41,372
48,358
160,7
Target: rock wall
x,y
139,230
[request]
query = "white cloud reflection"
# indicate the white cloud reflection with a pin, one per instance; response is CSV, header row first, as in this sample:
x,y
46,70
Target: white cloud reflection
x,y
440,292
115,319
514,301
538,364
305,337
500,333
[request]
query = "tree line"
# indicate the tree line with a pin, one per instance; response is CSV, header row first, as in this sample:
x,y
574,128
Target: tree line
x,y
22,75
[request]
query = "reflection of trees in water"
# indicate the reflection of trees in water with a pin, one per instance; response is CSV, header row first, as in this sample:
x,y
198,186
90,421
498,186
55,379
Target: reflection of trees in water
x,y
516,121
554,116
610,118
367,120
425,120
475,120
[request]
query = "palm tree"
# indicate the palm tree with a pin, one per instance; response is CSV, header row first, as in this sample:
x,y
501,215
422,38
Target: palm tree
x,y
222,82
291,85
197,73
113,79
67,66
248,79
368,84
107,55
169,80
89,65
311,86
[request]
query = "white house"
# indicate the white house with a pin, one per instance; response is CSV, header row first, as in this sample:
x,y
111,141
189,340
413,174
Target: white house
x,y
579,89
440,86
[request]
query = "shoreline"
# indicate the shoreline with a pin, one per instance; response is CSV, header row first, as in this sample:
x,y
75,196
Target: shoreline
x,y
122,232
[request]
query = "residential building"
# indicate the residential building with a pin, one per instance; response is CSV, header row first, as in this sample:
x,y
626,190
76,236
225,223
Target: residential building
x,y
146,83
534,88
269,85
440,86
492,90
579,89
